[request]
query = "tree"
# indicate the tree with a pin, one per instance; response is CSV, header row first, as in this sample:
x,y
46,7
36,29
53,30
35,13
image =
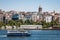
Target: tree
x,y
2,24
27,22
11,23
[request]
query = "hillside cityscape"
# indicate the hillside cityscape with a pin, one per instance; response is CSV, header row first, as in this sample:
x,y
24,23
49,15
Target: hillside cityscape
x,y
47,20
29,20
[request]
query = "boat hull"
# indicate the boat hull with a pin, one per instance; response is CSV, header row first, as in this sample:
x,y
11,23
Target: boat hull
x,y
18,34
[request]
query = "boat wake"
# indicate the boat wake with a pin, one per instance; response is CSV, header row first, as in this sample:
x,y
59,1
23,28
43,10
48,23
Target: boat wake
x,y
3,35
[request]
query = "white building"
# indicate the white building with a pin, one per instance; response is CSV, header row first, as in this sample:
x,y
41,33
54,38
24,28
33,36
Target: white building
x,y
31,26
21,16
48,18
34,16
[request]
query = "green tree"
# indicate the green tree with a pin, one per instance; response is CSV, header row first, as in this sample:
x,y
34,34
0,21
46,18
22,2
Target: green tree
x,y
11,23
2,24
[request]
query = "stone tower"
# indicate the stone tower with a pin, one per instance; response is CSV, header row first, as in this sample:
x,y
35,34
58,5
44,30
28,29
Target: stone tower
x,y
39,10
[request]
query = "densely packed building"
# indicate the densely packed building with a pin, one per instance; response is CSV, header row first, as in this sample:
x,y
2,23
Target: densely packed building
x,y
35,16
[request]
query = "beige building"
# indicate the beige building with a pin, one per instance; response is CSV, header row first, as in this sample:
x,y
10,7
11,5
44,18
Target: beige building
x,y
31,26
8,16
34,17
1,15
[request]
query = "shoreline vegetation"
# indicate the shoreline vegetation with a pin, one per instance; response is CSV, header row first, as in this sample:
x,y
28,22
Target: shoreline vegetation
x,y
17,23
29,29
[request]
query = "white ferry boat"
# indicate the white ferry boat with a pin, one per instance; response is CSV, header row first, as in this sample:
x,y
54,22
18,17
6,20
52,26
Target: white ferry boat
x,y
18,33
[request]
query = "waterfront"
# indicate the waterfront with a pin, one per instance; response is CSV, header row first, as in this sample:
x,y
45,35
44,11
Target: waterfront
x,y
35,35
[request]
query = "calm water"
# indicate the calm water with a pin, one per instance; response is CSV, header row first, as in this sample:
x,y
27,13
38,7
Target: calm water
x,y
35,35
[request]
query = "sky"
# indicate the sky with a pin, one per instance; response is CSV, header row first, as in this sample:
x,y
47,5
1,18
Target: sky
x,y
30,5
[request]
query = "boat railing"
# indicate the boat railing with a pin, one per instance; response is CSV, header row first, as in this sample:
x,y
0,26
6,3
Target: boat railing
x,y
17,31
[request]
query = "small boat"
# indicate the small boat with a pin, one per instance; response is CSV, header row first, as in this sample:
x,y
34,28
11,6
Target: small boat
x,y
18,33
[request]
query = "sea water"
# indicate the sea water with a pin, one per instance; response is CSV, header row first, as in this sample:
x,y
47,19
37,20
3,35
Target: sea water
x,y
35,35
